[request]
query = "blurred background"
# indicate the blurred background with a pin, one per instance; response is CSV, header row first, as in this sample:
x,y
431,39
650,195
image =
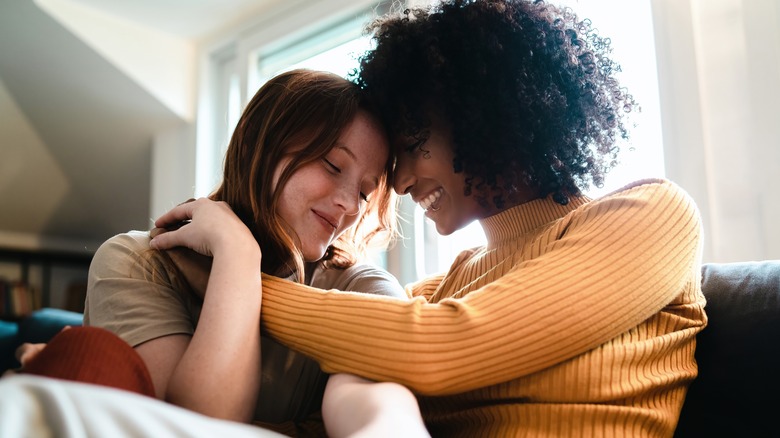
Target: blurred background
x,y
113,111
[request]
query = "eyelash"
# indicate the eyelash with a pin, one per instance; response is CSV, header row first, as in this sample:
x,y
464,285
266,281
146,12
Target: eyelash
x,y
338,170
416,145
331,165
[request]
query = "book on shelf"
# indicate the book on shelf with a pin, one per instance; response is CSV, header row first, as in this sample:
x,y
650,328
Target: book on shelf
x,y
18,299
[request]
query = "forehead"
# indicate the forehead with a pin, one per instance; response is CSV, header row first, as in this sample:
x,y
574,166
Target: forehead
x,y
368,160
363,137
365,145
345,149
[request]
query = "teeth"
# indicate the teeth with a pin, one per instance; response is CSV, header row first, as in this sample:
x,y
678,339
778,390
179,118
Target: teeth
x,y
430,199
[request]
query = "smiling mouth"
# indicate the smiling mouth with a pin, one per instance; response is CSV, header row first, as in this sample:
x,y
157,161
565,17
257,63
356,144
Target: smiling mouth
x,y
431,202
327,220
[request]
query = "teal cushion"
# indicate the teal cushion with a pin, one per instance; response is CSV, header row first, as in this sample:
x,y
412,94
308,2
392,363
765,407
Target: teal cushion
x,y
40,326
9,340
43,324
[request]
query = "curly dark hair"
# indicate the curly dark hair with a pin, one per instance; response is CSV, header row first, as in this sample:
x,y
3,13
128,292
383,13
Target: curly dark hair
x,y
528,89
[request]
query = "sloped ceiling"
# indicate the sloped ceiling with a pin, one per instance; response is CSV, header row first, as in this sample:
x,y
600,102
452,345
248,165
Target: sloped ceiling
x,y
75,130
83,174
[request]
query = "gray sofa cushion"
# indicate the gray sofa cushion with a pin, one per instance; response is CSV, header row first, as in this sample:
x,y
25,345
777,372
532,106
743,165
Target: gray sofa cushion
x,y
737,392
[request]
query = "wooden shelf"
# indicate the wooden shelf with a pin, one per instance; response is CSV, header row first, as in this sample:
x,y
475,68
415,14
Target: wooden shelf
x,y
46,259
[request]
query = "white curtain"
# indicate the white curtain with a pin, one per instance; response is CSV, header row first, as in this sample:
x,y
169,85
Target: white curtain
x,y
719,84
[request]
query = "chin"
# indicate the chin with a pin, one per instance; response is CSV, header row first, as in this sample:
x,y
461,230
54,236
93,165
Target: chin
x,y
444,231
453,225
314,254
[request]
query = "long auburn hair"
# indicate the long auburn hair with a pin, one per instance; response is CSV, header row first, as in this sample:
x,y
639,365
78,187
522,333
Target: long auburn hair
x,y
298,114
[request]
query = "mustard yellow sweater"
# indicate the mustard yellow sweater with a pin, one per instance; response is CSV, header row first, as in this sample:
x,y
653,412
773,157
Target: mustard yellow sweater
x,y
575,320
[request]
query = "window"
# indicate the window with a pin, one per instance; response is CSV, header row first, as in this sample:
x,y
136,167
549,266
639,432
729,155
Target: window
x,y
335,50
221,111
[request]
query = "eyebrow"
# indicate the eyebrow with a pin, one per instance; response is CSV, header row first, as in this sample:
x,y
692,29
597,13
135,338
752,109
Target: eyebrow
x,y
346,150
354,157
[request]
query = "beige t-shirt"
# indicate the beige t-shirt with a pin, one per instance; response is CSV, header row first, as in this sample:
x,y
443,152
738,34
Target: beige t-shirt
x,y
135,294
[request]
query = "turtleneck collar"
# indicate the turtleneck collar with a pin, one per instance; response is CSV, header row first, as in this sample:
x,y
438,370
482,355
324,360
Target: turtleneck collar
x,y
526,217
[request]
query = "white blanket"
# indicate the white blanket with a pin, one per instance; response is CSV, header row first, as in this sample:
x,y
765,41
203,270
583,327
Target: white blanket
x,y
32,406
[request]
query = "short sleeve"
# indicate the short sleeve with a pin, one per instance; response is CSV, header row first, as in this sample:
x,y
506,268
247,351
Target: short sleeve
x,y
135,294
363,278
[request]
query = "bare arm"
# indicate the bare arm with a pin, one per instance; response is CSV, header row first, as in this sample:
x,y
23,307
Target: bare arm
x,y
356,407
353,406
216,371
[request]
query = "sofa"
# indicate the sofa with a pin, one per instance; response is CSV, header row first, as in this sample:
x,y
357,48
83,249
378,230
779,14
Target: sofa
x,y
40,326
736,393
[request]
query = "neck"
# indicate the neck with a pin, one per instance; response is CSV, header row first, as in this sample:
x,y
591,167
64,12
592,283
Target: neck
x,y
520,195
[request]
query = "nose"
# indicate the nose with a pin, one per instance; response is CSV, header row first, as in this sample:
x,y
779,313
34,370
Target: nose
x,y
348,198
403,177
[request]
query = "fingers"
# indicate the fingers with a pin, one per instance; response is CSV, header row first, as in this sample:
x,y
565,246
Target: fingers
x,y
156,231
27,351
168,227
179,236
165,240
204,226
177,215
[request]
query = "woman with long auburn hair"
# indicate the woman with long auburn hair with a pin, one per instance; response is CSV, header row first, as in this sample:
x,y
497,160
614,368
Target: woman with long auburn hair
x,y
305,190
292,119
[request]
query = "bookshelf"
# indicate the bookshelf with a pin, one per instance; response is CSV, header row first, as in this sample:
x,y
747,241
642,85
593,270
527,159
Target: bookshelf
x,y
44,261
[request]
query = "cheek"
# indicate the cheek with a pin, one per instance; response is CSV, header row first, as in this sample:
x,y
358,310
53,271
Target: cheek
x,y
306,184
295,196
284,206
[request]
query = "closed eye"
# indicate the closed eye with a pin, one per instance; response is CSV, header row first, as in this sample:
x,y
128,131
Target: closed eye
x,y
417,144
333,168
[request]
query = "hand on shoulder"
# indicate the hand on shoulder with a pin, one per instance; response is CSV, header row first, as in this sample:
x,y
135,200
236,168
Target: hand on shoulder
x,y
205,226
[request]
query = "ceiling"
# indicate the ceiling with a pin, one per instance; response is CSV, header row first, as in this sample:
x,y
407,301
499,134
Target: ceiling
x,y
183,18
75,131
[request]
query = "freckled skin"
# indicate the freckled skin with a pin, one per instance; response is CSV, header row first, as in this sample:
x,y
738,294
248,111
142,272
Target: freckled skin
x,y
329,192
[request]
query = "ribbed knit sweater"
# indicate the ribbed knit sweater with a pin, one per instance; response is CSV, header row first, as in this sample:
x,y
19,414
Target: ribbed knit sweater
x,y
574,320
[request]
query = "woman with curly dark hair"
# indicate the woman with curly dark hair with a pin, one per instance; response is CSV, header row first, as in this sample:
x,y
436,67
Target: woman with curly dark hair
x,y
579,316
527,91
